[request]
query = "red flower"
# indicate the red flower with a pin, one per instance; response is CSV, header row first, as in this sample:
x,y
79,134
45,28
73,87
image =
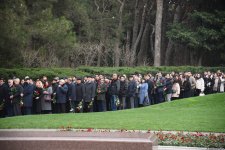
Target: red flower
x,y
89,130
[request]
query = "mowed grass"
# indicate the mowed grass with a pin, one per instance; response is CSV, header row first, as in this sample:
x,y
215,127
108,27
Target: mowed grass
x,y
205,113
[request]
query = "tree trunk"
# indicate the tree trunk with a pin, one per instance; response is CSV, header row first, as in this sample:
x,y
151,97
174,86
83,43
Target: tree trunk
x,y
151,40
135,45
136,23
169,49
118,35
166,19
142,55
127,52
158,25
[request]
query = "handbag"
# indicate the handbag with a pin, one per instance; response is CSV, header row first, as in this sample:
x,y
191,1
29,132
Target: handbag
x,y
146,101
47,97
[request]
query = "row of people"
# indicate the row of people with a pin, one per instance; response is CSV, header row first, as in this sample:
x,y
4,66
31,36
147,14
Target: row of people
x,y
99,93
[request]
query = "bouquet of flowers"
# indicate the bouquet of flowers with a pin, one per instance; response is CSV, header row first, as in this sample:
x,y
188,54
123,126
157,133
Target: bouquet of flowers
x,y
12,91
117,101
80,106
36,94
159,83
54,98
21,100
90,105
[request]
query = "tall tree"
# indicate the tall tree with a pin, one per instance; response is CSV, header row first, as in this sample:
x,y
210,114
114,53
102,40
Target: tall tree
x,y
158,28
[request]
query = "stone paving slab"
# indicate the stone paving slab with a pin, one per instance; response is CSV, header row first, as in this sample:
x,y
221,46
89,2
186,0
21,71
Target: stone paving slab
x,y
68,140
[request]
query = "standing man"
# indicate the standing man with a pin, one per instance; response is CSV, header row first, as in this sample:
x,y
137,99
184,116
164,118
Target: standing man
x,y
114,89
28,90
79,104
101,90
89,94
123,92
3,88
61,93
132,87
150,88
8,100
72,94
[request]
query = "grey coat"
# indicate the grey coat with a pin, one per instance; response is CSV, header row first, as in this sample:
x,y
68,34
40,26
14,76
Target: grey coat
x,y
46,105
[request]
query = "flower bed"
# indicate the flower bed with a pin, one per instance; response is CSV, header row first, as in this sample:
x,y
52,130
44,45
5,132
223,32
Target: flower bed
x,y
191,139
166,138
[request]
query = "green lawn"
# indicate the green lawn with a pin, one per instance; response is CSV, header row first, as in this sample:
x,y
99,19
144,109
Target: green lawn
x,y
205,113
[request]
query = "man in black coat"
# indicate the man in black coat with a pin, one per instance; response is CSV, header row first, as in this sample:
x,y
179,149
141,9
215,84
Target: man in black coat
x,y
89,94
123,92
72,94
28,91
132,87
8,101
61,96
79,96
150,88
55,84
3,88
114,89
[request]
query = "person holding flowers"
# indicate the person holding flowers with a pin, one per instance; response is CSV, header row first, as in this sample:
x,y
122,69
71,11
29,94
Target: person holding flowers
x,y
79,95
38,94
72,95
28,90
89,94
61,96
114,89
46,99
101,90
16,94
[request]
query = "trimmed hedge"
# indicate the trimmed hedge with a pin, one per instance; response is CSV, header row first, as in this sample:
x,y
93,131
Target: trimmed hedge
x,y
36,73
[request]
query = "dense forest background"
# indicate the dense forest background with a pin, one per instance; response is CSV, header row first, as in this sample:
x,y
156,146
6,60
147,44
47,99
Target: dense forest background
x,y
71,33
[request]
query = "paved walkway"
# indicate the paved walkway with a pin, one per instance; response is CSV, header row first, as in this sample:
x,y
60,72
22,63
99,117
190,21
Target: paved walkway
x,y
185,148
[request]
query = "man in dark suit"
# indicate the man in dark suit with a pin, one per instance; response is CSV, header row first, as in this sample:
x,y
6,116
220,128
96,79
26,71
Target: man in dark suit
x,y
89,94
132,87
28,91
61,94
114,89
3,88
72,94
150,88
79,95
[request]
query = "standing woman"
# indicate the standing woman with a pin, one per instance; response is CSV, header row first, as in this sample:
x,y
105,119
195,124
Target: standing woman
x,y
38,94
46,99
222,80
200,85
16,97
143,93
216,83
175,89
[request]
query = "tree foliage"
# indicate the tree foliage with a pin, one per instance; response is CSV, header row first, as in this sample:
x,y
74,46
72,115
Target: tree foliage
x,y
71,33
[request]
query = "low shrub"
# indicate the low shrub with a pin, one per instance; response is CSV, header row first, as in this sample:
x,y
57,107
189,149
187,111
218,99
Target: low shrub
x,y
86,70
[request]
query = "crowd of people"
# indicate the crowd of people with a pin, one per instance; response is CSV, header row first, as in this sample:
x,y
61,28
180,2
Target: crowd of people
x,y
101,93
